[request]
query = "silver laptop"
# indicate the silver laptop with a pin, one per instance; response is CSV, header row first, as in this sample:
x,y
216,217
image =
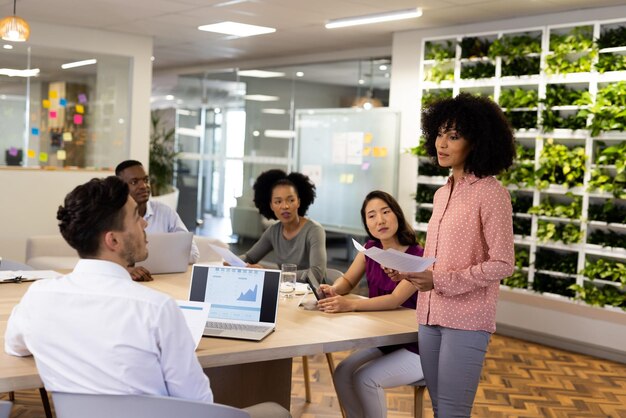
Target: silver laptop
x,y
244,301
168,252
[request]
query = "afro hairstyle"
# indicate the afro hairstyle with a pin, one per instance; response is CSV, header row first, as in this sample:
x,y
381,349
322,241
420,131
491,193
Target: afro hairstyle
x,y
268,180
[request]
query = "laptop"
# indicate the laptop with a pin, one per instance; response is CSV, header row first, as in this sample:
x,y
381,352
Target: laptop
x,y
168,252
244,301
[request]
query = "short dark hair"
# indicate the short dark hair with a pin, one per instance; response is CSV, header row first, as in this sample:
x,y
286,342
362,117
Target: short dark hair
x,y
90,210
125,164
268,180
405,233
481,122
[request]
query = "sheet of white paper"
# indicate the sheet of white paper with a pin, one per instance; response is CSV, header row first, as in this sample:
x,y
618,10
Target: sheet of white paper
x,y
395,259
228,256
196,315
9,275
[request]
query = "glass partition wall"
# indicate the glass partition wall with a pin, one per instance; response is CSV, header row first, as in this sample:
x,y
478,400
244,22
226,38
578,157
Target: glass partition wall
x,y
233,125
62,108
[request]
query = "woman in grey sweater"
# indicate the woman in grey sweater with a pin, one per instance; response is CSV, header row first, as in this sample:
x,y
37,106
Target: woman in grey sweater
x,y
294,239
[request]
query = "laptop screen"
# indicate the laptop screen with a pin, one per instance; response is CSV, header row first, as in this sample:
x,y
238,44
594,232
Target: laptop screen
x,y
235,293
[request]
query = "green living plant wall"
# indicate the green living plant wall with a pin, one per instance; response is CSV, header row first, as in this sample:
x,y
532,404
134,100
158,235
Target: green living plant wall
x,y
609,110
519,53
572,52
603,294
560,165
442,53
602,179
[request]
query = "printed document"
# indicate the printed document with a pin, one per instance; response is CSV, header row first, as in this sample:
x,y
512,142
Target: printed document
x,y
228,256
395,259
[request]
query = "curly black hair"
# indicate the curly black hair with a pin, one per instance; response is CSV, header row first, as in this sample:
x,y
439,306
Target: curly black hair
x,y
91,210
268,180
406,234
481,122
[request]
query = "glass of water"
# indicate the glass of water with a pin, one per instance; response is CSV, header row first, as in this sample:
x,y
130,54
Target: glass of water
x,y
288,280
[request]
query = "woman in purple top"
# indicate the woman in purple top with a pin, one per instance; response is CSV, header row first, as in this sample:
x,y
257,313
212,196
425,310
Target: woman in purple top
x,y
361,378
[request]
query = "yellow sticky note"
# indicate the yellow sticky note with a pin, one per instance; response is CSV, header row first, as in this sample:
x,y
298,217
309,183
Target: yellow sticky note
x,y
366,151
80,109
342,178
349,178
383,151
43,157
45,103
67,136
367,138
53,94
31,153
61,155
376,152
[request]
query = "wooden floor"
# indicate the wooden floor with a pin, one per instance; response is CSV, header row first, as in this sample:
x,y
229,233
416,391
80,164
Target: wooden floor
x,y
519,379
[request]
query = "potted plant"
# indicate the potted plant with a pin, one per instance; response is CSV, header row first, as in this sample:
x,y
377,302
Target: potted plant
x,y
162,159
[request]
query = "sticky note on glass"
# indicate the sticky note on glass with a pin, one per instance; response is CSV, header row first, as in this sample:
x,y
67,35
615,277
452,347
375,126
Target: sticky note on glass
x,y
53,114
31,153
61,155
366,151
367,138
383,151
78,119
82,98
63,102
67,136
365,166
13,152
342,178
34,131
53,94
349,178
80,109
376,152
43,157
45,103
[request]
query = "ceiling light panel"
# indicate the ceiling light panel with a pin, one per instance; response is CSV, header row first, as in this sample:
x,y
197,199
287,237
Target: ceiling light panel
x,y
260,73
79,63
236,29
374,18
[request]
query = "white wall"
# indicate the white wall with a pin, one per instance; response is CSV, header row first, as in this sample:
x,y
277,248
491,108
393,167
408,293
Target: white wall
x,y
30,201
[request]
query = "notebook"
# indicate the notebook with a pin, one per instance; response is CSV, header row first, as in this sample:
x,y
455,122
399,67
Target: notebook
x,y
168,252
244,301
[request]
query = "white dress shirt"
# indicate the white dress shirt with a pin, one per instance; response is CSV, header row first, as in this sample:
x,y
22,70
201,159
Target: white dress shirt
x,y
96,331
162,218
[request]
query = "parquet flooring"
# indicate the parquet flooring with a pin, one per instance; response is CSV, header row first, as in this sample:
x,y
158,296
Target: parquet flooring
x,y
520,379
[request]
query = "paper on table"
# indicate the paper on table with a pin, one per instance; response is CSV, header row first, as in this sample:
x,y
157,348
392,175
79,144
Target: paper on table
x,y
228,256
10,275
395,259
196,315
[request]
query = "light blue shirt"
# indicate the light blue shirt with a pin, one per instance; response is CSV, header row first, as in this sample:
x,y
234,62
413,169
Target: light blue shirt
x,y
161,218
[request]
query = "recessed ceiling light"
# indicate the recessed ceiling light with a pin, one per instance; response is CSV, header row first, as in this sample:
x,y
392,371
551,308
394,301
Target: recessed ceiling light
x,y
19,73
256,133
7,46
169,97
361,81
279,133
260,73
274,111
261,98
152,58
237,29
382,67
374,18
299,74
78,63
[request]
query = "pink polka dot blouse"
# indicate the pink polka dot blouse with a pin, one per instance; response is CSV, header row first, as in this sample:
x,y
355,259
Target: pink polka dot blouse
x,y
471,235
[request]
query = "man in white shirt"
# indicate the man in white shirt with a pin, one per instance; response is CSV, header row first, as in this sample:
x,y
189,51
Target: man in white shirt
x,y
160,217
95,330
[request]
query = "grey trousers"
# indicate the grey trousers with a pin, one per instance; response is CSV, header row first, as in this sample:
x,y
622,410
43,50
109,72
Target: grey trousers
x,y
452,360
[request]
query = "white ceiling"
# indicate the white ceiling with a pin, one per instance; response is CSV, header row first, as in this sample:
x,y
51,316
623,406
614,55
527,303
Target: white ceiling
x,y
299,23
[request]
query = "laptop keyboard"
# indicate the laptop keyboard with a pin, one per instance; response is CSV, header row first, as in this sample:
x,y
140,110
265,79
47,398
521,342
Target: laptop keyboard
x,y
236,327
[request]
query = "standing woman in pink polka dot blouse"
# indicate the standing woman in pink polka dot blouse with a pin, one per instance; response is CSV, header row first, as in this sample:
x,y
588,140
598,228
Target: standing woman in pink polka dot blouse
x,y
470,233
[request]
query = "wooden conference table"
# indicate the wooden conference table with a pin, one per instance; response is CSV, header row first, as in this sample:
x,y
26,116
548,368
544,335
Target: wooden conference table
x,y
242,372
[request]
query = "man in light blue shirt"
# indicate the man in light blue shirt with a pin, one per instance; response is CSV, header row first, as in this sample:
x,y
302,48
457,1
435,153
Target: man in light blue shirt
x,y
160,217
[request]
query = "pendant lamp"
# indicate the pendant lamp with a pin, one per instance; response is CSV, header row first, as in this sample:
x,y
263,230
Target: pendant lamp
x,y
14,28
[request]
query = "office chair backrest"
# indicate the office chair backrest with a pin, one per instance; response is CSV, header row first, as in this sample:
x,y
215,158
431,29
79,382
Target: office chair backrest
x,y
5,409
332,275
73,405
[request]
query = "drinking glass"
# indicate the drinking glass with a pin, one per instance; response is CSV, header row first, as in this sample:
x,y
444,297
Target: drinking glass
x,y
288,280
